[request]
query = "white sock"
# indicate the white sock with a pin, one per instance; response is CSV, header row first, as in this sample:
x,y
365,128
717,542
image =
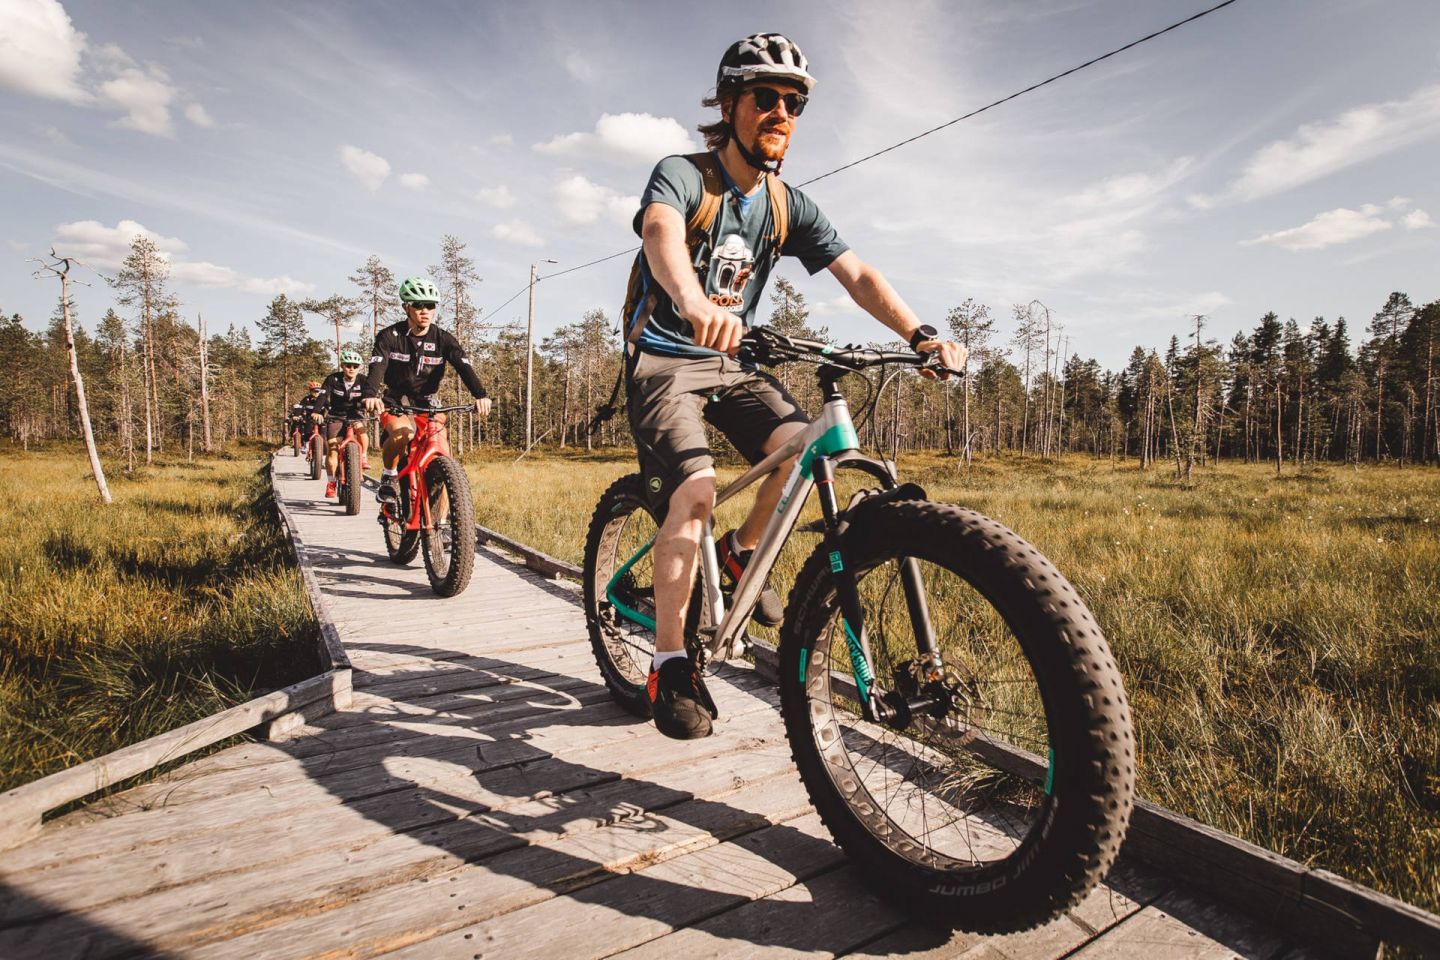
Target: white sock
x,y
660,657
388,474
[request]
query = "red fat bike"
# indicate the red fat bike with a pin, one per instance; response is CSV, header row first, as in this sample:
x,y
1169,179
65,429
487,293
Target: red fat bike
x,y
349,470
436,510
314,445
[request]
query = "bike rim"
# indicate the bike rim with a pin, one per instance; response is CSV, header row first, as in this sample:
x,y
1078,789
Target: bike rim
x,y
631,644
440,537
964,784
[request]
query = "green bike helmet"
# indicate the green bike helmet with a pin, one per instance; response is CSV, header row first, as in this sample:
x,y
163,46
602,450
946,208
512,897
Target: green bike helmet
x,y
349,356
418,289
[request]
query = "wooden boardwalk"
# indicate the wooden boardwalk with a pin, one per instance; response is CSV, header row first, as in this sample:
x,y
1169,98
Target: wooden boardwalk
x,y
484,798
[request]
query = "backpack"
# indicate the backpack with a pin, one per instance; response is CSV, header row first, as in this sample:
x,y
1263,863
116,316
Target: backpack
x,y
697,240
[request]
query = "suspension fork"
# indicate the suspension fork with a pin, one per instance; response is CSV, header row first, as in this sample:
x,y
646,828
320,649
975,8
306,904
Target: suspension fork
x,y
847,592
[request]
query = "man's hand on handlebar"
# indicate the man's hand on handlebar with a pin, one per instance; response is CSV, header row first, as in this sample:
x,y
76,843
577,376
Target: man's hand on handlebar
x,y
482,407
374,406
950,356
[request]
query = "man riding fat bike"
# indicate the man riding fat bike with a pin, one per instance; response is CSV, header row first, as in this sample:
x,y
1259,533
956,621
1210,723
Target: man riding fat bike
x,y
339,402
713,225
304,412
407,364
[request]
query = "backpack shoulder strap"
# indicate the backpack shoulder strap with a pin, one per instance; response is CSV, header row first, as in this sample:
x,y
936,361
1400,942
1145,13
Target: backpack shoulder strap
x,y
697,237
779,212
697,228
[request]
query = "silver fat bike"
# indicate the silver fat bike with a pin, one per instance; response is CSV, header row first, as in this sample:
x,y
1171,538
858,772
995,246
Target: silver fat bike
x,y
957,717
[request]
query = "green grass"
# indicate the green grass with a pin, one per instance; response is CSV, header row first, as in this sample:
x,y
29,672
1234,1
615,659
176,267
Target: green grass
x,y
1280,638
122,622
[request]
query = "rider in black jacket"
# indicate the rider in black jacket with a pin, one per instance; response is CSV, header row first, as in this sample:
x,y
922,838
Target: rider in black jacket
x,y
339,401
408,364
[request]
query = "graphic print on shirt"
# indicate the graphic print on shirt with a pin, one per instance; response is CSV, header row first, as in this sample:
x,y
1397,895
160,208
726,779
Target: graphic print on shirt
x,y
731,265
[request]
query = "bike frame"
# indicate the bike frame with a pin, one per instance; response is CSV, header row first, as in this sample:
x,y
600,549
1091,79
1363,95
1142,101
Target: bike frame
x,y
828,442
347,439
305,438
423,448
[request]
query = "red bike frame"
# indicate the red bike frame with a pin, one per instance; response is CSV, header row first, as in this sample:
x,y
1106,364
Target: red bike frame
x,y
424,447
349,438
305,438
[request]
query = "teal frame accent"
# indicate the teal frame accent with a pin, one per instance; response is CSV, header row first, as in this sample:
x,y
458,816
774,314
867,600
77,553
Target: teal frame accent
x,y
634,616
858,665
837,439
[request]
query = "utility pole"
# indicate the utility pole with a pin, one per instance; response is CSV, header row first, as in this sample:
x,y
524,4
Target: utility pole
x,y
530,360
61,268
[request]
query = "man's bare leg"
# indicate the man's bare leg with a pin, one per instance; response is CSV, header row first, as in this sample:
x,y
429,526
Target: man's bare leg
x,y
767,498
676,547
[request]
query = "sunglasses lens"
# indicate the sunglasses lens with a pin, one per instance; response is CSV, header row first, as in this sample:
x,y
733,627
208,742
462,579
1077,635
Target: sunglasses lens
x,y
423,305
767,97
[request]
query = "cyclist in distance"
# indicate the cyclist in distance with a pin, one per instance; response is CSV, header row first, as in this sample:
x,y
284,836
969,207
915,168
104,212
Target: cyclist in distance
x,y
340,397
309,407
408,364
694,293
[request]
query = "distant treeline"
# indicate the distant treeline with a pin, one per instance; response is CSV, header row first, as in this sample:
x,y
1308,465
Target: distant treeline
x,y
1286,392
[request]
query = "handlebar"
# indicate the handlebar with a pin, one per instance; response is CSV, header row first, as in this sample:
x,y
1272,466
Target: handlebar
x,y
393,407
761,345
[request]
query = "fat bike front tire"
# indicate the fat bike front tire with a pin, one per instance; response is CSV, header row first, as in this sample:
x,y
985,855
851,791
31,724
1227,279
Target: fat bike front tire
x,y
996,793
449,540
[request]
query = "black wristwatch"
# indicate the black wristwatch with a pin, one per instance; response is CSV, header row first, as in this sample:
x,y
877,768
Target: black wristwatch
x,y
923,332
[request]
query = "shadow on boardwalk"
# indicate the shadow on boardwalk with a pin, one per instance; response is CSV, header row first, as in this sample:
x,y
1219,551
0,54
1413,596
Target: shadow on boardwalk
x,y
506,764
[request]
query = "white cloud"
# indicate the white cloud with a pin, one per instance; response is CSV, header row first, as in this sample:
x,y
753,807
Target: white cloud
x,y
1329,228
579,68
367,167
1416,220
40,50
144,96
55,135
502,140
414,181
1354,136
97,245
584,202
517,232
199,116
624,136
1131,189
499,197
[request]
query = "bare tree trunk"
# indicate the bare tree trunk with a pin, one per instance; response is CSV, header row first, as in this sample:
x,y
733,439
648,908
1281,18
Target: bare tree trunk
x,y
207,444
95,468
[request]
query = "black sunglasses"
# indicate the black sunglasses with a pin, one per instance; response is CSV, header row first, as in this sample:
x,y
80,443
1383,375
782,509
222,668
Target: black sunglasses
x,y
350,366
423,304
767,97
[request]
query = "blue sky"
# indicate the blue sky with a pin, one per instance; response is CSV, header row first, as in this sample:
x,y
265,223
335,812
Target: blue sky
x,y
1278,155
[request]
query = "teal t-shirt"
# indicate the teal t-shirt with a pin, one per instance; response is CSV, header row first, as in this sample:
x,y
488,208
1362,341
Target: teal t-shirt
x,y
740,257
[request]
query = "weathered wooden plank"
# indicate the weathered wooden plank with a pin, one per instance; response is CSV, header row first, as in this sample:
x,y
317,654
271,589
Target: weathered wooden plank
x,y
630,836
637,907
231,905
21,809
270,823
1180,927
840,915
1288,895
535,804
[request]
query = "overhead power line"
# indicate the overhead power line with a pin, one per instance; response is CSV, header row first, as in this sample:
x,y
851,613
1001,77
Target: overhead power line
x,y
1020,93
949,123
